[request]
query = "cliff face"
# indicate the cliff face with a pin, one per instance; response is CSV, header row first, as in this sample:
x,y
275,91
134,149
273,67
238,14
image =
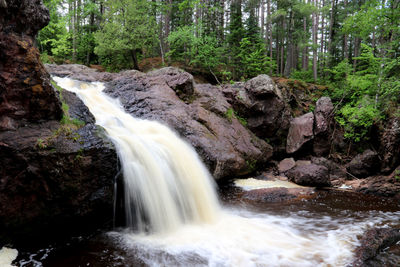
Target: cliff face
x,y
26,94
53,175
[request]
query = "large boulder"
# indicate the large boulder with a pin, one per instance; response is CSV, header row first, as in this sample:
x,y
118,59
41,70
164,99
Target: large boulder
x,y
387,186
55,176
260,101
374,242
390,145
52,175
25,91
309,175
300,132
312,128
364,164
198,112
322,125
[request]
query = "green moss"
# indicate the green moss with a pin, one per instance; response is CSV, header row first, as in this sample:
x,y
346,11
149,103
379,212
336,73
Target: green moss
x,y
230,113
41,143
251,165
66,118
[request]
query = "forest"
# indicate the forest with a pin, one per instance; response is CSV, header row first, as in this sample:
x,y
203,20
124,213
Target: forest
x,y
350,46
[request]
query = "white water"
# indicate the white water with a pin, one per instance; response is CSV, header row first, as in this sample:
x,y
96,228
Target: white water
x,y
252,184
165,180
165,183
7,255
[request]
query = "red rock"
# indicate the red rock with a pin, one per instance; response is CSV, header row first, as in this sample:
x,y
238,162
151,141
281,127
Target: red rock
x,y
300,132
286,164
25,91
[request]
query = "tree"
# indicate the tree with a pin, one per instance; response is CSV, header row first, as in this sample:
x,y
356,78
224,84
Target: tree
x,y
128,29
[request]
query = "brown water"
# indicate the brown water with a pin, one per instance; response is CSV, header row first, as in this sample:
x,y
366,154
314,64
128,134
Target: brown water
x,y
331,216
184,223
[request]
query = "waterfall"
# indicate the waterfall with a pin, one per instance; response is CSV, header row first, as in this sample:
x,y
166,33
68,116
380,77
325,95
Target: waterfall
x,y
165,183
170,199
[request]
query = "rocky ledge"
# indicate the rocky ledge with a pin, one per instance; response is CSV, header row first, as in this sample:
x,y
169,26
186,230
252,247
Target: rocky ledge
x,y
198,112
55,178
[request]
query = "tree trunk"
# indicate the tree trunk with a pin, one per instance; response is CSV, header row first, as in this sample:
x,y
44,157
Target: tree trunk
x,y
315,40
322,58
74,32
167,23
304,61
262,17
345,41
134,59
269,32
290,47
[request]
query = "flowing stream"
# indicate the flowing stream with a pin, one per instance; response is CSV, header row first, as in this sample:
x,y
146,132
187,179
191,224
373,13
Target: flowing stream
x,y
172,204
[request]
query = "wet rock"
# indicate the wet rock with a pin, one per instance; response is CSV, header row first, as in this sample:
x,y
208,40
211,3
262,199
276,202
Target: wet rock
x,y
335,170
203,117
387,186
262,86
80,72
374,241
260,101
181,82
309,175
390,145
26,92
286,164
278,194
55,176
365,164
322,113
300,132
322,125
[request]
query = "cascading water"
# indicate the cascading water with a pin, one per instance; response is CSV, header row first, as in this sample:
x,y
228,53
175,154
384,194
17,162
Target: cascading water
x,y
170,199
165,183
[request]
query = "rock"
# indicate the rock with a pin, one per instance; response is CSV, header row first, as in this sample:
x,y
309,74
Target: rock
x,y
54,177
262,86
309,175
365,164
80,72
203,117
260,102
286,164
373,242
181,82
300,132
278,194
335,170
26,92
386,186
303,162
323,120
390,145
322,113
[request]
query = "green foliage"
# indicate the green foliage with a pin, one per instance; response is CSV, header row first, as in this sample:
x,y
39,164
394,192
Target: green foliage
x,y
363,93
54,39
302,75
253,58
201,51
41,143
230,113
251,165
66,119
128,29
357,118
